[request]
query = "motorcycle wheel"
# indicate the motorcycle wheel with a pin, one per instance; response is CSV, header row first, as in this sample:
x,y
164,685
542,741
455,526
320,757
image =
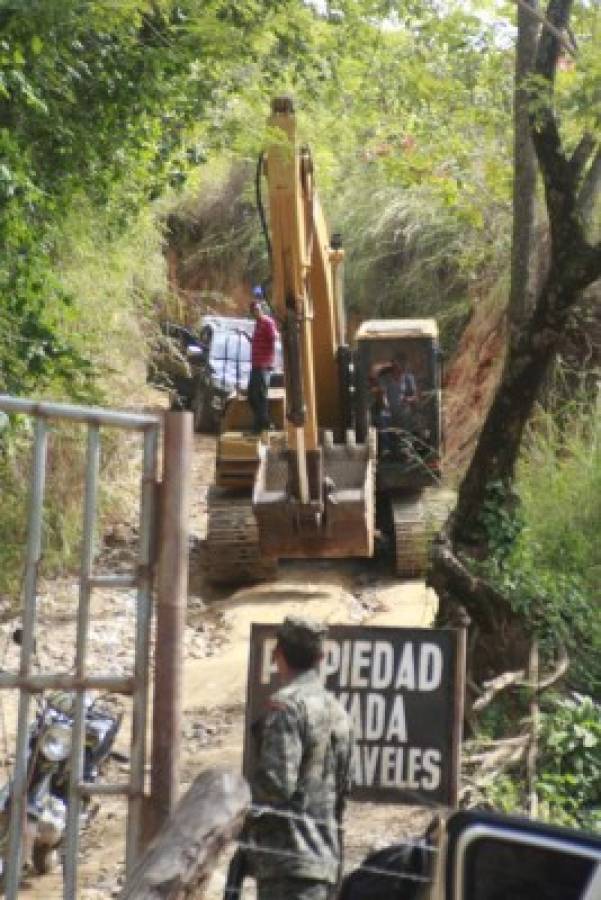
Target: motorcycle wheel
x,y
45,859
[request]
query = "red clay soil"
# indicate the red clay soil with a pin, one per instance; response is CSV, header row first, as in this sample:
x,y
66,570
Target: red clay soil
x,y
470,383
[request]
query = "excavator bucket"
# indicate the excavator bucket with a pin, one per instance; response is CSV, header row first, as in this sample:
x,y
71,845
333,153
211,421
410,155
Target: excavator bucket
x,y
339,519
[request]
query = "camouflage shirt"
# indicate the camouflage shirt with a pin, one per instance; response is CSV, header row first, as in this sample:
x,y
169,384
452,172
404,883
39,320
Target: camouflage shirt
x,y
302,770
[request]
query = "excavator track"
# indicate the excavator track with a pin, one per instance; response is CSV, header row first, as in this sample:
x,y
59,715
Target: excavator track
x,y
233,551
416,519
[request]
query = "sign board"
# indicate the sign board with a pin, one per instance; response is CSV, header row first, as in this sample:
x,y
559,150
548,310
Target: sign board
x,y
403,690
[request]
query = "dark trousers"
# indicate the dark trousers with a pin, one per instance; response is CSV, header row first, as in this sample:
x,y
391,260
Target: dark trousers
x,y
258,386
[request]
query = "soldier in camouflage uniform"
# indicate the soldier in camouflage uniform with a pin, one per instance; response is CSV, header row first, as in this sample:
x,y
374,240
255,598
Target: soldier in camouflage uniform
x,y
302,775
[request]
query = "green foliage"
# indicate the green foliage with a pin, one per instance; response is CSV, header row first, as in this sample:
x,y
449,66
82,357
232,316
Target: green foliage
x,y
502,521
116,279
560,483
115,102
505,794
406,253
578,94
569,781
13,489
545,551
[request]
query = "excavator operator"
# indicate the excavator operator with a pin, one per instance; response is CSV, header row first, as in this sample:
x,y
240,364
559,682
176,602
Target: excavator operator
x,y
395,393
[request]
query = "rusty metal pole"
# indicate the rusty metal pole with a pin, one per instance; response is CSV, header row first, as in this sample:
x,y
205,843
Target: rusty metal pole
x,y
462,623
172,592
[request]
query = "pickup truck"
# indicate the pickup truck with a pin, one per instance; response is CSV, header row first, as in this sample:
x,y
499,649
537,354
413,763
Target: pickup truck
x,y
203,367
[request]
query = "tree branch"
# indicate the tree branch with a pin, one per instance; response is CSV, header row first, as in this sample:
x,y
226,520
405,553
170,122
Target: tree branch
x,y
589,192
496,686
570,48
560,670
557,172
582,154
549,47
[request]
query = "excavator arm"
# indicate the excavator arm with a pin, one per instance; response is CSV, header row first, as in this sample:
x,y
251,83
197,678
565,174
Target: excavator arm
x,y
303,295
314,497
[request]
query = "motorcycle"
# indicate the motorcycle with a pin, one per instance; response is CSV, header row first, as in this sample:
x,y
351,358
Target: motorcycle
x,y
48,773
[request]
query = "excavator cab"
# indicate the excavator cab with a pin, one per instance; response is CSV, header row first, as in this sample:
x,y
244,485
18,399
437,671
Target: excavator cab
x,y
398,393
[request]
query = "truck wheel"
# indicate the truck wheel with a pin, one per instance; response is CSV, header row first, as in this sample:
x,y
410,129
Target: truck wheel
x,y
204,416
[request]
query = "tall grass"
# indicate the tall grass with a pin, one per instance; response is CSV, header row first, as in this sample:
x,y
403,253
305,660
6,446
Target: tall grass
x,y
552,576
114,281
558,554
410,254
560,485
216,234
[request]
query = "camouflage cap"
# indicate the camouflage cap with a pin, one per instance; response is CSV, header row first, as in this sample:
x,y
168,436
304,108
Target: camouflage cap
x,y
299,631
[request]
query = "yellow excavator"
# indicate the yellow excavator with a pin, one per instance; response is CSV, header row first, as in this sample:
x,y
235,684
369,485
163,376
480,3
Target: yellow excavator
x,y
357,430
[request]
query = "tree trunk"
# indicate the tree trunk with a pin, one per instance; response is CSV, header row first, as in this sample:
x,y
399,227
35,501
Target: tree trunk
x,y
526,368
521,297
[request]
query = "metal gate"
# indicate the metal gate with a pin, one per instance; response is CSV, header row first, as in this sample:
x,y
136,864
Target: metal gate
x,y
137,685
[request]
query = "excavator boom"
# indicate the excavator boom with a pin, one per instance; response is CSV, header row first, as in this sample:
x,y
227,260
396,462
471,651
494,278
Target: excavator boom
x,y
315,496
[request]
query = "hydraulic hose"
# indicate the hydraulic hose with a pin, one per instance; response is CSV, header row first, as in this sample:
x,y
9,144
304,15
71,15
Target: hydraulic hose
x,y
261,211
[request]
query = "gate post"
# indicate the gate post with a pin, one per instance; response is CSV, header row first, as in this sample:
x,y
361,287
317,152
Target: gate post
x,y
172,591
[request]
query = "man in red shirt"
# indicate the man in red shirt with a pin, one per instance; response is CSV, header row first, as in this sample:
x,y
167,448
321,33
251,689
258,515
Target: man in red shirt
x,y
262,357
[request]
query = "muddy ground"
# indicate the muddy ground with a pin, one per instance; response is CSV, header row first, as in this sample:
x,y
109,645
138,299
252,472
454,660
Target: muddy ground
x,y
216,641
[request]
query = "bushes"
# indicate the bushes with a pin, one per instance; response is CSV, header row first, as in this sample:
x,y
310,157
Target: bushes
x,y
560,485
547,559
545,553
114,280
569,782
559,482
14,474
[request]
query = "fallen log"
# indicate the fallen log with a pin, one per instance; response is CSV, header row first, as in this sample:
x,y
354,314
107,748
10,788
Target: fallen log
x,y
180,860
498,755
495,686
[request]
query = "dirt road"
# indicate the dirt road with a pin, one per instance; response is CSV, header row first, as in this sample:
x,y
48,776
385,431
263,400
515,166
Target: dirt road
x,y
216,641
